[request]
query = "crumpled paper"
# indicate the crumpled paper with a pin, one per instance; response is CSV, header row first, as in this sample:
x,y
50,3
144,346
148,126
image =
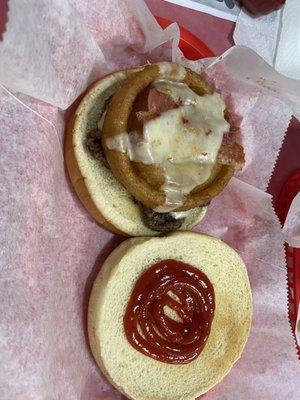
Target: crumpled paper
x,y
52,249
274,36
260,34
58,48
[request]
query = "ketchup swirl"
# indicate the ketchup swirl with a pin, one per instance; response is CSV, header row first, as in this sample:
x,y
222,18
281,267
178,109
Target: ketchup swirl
x,y
185,290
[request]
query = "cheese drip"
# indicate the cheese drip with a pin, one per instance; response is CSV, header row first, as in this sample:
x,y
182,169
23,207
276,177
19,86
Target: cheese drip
x,y
183,141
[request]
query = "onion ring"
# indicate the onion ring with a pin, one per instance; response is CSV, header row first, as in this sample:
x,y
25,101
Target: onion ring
x,y
116,122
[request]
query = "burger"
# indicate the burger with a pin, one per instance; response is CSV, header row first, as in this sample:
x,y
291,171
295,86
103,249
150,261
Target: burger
x,y
147,149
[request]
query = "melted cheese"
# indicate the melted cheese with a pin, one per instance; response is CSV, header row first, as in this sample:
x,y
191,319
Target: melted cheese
x,y
172,70
184,141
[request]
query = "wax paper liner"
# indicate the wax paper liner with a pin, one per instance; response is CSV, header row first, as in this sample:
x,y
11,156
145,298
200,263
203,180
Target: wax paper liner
x,y
51,50
274,36
260,34
50,246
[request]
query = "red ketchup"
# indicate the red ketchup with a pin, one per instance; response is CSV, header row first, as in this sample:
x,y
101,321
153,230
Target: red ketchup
x,y
261,7
185,290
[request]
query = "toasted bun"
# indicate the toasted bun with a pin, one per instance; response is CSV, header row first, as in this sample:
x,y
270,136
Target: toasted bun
x,y
138,376
99,191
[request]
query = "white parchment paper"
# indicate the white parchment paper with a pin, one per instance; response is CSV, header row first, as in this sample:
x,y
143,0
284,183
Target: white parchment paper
x,y
51,250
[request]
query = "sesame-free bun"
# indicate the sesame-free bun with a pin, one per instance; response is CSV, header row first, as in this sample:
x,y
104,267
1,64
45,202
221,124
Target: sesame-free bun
x,y
138,376
107,201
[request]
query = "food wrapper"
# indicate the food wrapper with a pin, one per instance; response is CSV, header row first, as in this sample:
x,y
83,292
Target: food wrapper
x,y
52,249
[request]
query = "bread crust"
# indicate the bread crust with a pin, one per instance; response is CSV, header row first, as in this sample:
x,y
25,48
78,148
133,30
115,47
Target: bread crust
x,y
78,183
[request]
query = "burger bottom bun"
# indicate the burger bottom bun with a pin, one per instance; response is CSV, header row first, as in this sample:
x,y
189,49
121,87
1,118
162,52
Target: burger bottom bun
x,y
141,377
